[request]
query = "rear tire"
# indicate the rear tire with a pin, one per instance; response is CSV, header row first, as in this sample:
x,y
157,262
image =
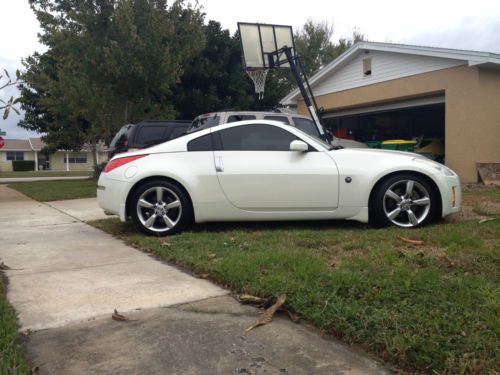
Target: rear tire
x,y
160,208
404,200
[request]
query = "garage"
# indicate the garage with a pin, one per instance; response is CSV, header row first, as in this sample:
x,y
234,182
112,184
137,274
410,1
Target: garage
x,y
438,101
421,121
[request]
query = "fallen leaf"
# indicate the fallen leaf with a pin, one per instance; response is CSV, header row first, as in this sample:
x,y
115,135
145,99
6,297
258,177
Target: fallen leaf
x,y
267,316
204,276
211,256
5,267
253,300
34,370
294,318
411,241
27,332
463,334
486,220
119,317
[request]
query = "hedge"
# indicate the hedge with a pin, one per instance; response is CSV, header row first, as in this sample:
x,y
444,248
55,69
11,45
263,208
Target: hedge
x,y
23,165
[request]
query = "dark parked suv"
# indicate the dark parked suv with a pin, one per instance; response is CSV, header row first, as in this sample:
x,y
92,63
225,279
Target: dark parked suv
x,y
146,134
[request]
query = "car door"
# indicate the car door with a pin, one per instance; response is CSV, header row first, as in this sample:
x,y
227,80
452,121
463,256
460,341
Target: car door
x,y
258,172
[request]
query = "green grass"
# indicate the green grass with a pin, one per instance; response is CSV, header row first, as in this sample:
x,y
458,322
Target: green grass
x,y
44,174
12,360
432,308
57,190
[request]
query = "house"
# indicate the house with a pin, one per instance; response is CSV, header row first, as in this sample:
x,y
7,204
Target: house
x,y
445,98
61,160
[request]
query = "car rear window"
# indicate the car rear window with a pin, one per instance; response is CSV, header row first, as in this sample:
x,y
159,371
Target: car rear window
x,y
120,140
203,122
282,119
234,118
306,125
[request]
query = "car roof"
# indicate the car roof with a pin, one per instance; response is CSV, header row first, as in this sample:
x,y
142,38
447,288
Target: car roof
x,y
265,113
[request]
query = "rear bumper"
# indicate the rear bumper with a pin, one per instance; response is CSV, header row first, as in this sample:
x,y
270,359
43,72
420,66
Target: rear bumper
x,y
111,195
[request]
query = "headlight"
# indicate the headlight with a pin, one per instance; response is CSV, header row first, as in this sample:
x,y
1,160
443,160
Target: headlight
x,y
439,167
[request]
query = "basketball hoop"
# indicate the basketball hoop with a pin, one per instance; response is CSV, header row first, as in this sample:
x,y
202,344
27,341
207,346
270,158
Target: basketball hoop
x,y
258,77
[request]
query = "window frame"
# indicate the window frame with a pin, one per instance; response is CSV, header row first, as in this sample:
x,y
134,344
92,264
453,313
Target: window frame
x,y
218,143
16,156
73,158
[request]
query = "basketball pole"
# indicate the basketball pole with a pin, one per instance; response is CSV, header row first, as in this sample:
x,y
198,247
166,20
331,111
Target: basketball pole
x,y
307,101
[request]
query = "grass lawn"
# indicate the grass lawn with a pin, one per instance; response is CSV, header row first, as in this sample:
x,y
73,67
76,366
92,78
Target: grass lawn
x,y
44,174
57,190
431,308
11,355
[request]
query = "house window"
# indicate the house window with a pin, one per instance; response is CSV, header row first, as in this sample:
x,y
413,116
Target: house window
x,y
76,158
367,66
15,155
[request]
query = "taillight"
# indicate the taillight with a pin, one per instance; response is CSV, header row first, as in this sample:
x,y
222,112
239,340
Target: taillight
x,y
113,164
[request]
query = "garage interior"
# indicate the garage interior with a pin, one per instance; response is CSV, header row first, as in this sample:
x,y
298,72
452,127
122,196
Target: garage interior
x,y
424,124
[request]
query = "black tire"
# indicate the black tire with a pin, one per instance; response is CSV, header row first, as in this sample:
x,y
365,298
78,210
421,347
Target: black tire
x,y
422,202
178,217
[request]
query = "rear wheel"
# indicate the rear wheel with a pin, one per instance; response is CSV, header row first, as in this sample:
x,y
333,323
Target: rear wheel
x,y
405,200
160,207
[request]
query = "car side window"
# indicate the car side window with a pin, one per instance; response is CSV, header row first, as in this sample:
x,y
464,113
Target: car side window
x,y
256,137
149,136
234,118
203,143
177,132
282,119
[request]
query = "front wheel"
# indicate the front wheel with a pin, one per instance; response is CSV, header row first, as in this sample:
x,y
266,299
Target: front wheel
x,y
406,201
160,207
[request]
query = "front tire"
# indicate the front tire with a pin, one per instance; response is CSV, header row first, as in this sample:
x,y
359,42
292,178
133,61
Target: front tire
x,y
404,200
159,208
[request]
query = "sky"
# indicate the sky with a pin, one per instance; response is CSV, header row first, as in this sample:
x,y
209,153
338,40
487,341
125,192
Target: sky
x,y
472,25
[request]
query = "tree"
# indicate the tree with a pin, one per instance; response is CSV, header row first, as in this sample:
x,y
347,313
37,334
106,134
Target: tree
x,y
108,62
8,105
214,80
316,48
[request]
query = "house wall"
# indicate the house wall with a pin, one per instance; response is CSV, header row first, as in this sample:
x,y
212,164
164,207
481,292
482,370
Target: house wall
x,y
6,165
472,112
57,162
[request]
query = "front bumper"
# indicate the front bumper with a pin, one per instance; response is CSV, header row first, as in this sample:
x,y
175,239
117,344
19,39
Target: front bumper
x,y
451,194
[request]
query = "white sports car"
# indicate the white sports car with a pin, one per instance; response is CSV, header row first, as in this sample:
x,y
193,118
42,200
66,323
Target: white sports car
x,y
265,170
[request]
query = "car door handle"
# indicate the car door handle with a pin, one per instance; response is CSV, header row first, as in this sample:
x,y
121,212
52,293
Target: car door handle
x,y
219,166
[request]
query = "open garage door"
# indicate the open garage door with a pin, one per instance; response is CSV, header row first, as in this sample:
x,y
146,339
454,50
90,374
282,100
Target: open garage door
x,y
420,120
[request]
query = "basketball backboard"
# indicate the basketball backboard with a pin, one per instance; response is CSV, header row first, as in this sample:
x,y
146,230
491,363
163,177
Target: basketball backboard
x,y
259,40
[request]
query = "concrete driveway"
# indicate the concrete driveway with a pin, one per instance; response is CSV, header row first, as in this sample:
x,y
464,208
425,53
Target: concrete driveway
x,y
67,278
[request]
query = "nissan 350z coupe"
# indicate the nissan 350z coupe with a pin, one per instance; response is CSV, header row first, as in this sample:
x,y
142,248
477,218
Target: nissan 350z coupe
x,y
266,170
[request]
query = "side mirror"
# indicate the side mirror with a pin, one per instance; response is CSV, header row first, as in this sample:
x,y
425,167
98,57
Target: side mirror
x,y
299,146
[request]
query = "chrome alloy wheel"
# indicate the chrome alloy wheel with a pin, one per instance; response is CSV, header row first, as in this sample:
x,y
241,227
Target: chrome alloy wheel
x,y
407,203
159,209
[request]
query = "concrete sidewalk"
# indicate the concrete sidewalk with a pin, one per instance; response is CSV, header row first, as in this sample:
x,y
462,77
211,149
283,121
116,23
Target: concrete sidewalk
x,y
6,180
67,278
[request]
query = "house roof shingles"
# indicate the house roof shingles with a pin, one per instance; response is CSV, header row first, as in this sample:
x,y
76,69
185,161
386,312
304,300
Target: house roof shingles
x,y
36,144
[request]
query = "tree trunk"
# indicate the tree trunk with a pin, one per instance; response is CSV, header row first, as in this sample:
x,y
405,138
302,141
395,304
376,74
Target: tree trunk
x,y
93,148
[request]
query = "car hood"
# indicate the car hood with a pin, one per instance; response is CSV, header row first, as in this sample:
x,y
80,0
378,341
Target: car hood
x,y
377,153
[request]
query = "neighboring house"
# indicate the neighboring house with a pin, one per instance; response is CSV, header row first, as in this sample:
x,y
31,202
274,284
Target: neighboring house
x,y
30,149
381,91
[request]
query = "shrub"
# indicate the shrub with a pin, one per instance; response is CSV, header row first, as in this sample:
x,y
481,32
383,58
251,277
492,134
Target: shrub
x,y
23,165
98,169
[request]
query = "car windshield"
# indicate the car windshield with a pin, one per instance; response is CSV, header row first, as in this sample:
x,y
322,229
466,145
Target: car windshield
x,y
203,122
309,137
